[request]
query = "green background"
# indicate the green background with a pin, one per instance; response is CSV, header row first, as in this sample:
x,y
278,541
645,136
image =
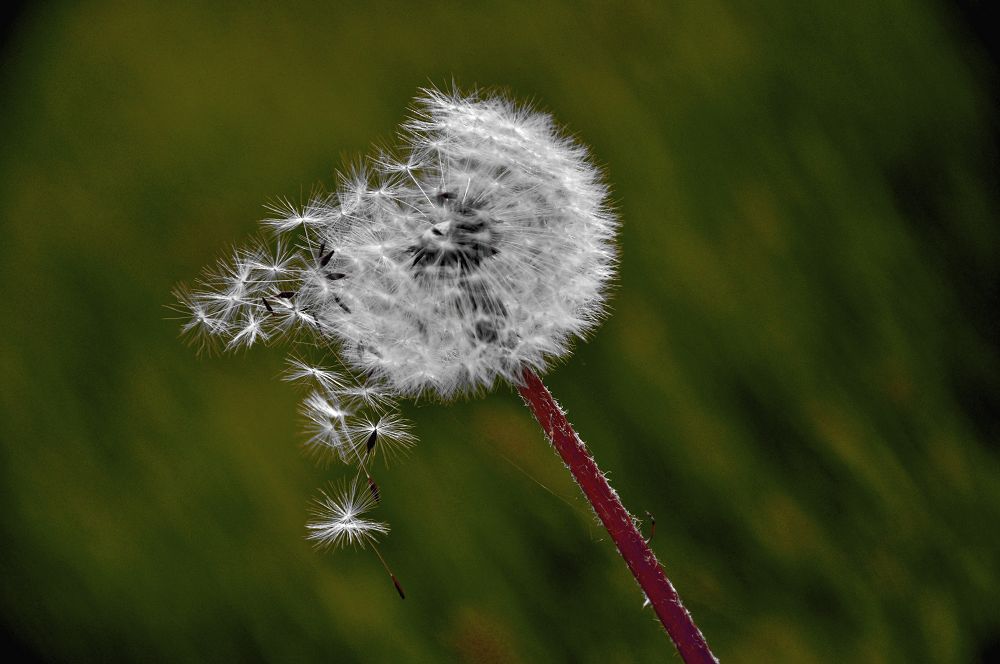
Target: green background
x,y
798,379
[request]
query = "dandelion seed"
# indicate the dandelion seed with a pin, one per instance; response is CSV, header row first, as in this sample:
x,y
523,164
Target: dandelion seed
x,y
271,266
201,328
373,396
389,436
299,370
374,490
338,518
325,406
326,426
287,218
251,331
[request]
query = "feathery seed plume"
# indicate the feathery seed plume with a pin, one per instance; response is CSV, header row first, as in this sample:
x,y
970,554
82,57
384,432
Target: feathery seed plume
x,y
338,518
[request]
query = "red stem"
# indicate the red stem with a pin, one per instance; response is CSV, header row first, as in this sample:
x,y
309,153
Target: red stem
x,y
640,559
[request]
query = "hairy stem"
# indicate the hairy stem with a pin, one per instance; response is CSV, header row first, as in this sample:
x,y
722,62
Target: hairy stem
x,y
640,559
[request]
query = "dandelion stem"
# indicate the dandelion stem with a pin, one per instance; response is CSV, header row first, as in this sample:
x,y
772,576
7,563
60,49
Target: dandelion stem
x,y
640,559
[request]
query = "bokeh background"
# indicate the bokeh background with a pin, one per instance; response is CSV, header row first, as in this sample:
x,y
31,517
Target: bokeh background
x,y
799,378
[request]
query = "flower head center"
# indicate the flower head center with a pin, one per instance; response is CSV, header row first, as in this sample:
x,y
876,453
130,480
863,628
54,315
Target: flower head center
x,y
460,236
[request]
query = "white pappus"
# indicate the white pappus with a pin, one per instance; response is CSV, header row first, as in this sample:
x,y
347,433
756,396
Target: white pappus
x,y
482,248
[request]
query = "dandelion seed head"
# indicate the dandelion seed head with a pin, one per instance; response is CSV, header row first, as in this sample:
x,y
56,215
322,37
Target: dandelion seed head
x,y
482,247
483,250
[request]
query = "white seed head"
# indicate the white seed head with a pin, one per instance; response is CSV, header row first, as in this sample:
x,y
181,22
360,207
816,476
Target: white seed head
x,y
482,249
337,518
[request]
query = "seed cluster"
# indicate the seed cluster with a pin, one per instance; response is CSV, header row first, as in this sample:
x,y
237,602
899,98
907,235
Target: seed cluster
x,y
480,249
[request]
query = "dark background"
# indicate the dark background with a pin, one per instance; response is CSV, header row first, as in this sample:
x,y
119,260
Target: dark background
x,y
799,377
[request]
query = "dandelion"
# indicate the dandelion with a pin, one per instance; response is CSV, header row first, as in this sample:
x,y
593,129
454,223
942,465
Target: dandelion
x,y
477,254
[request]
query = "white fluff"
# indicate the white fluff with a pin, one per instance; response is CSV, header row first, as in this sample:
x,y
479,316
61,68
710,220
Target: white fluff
x,y
484,248
481,250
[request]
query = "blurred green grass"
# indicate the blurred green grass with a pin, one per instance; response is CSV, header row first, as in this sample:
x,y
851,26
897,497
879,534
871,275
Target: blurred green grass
x,y
798,379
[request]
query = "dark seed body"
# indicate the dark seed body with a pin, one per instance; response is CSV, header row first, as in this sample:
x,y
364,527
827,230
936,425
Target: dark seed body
x,y
399,588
